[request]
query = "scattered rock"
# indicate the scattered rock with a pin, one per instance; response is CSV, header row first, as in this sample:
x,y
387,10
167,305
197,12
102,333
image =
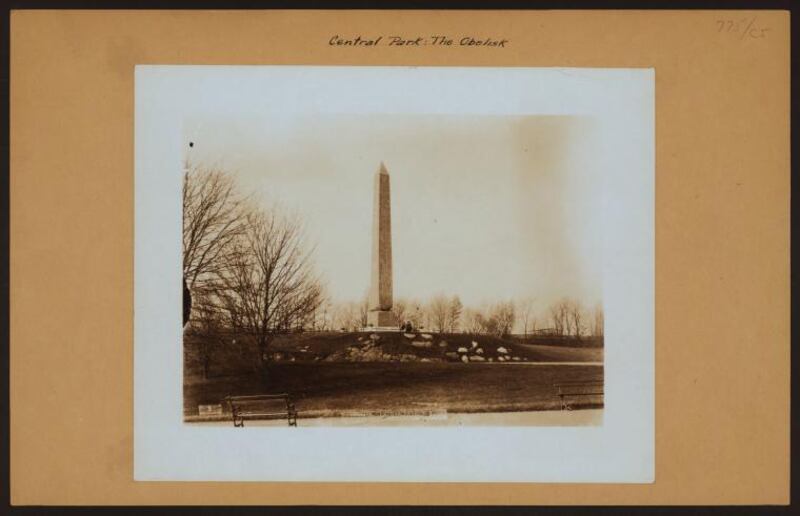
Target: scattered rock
x,y
421,344
462,350
474,344
375,336
372,355
464,358
501,349
451,354
424,359
476,358
501,359
515,359
491,359
479,351
409,335
277,357
443,344
426,336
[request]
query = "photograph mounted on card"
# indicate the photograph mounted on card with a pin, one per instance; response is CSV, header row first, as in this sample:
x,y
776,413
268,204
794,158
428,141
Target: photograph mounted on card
x,y
388,271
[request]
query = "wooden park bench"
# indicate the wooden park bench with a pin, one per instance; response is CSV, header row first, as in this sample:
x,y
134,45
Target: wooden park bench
x,y
568,390
262,406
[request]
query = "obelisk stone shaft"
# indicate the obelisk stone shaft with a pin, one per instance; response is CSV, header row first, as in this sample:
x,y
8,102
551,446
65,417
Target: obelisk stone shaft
x,y
380,293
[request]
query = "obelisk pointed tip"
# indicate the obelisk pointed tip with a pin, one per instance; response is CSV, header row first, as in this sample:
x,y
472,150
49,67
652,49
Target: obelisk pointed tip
x,y
382,169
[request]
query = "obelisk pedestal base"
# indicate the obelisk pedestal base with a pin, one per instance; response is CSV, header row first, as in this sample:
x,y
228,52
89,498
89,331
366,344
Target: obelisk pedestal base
x,y
382,319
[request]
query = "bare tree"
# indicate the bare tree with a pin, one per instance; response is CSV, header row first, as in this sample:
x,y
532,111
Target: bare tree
x,y
346,316
321,319
503,314
439,309
214,216
527,317
206,331
576,318
598,324
454,314
400,309
267,284
559,317
416,314
555,320
473,321
363,312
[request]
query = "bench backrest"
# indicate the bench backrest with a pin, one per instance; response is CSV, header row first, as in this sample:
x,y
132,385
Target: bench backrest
x,y
257,401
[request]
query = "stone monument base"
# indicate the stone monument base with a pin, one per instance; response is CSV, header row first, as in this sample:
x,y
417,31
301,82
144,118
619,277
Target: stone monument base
x,y
381,319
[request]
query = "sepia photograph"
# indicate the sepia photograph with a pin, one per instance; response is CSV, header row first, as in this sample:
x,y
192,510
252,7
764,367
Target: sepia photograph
x,y
392,270
408,250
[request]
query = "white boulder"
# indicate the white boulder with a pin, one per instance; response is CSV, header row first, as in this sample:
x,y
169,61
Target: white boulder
x,y
503,350
462,350
477,358
464,358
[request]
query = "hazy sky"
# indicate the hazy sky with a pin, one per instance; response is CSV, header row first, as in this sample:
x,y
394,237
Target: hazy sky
x,y
485,207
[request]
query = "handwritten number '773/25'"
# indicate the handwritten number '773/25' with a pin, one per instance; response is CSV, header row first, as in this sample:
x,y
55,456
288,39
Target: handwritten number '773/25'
x,y
744,28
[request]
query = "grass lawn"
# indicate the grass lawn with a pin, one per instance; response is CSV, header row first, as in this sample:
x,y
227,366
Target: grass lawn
x,y
350,388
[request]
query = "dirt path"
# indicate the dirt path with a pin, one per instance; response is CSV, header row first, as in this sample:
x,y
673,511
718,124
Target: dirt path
x,y
589,417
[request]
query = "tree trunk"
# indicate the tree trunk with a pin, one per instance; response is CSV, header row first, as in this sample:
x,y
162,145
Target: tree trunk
x,y
263,345
206,367
187,303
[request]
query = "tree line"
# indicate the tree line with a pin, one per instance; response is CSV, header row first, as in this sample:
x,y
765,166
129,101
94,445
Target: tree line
x,y
446,314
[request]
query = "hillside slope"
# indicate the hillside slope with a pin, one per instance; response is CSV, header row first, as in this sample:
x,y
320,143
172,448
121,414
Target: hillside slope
x,y
395,346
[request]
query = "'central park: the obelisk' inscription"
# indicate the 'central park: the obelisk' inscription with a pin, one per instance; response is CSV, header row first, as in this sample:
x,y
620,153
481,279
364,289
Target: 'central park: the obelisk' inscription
x,y
380,292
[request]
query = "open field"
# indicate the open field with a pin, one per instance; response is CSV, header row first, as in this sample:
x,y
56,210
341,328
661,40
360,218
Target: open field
x,y
391,374
329,389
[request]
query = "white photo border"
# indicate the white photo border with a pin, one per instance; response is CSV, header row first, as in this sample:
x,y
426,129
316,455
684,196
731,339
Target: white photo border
x,y
621,450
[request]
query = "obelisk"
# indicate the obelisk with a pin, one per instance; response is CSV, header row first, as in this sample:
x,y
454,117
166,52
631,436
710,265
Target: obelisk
x,y
380,292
